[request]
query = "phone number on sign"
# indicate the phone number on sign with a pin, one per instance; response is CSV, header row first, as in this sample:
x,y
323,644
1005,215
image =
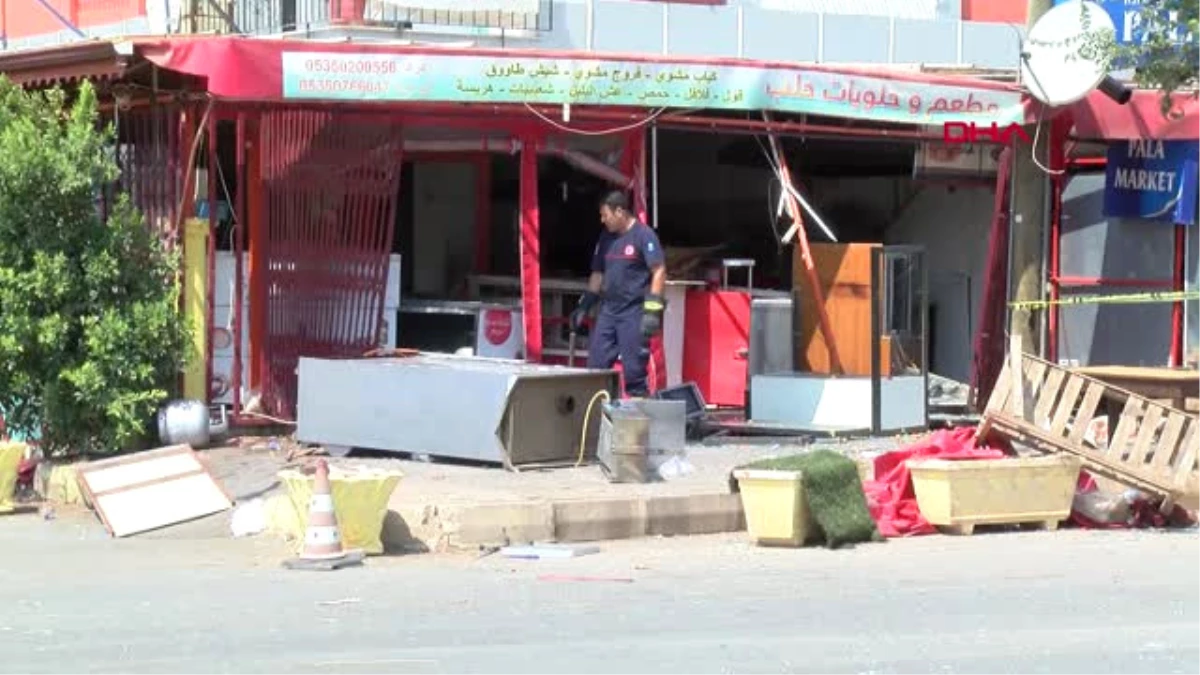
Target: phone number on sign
x,y
327,86
351,66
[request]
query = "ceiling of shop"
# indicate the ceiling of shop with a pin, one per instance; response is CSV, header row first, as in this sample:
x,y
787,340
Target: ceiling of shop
x,y
826,157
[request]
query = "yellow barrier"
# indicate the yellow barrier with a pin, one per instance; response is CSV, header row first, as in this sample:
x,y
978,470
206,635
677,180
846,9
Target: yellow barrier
x,y
59,484
1119,299
360,499
11,455
195,303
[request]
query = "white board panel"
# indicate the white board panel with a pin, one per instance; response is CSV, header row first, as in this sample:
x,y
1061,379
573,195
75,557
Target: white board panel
x,y
162,504
105,480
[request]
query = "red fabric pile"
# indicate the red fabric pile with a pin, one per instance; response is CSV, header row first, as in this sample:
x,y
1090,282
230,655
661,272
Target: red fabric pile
x,y
890,496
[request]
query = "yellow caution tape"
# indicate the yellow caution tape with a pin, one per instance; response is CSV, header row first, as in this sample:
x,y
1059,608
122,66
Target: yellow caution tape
x,y
1123,299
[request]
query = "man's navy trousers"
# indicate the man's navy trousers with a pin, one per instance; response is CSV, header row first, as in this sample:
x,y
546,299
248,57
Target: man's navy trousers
x,y
619,335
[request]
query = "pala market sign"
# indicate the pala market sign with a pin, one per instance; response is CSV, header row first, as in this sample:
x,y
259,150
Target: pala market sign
x,y
474,78
1151,180
1131,20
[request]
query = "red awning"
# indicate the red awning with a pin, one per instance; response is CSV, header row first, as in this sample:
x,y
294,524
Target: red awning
x,y
257,69
1099,118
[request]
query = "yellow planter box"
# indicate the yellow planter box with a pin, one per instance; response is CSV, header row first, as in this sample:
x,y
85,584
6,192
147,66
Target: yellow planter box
x,y
59,484
360,501
11,455
775,505
961,494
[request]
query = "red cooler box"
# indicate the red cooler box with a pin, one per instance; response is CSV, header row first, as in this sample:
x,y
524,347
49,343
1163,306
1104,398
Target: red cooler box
x,y
715,344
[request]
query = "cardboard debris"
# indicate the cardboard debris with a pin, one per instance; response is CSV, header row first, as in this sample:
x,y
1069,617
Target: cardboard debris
x,y
148,490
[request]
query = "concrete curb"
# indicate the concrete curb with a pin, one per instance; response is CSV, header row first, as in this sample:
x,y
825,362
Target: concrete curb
x,y
468,527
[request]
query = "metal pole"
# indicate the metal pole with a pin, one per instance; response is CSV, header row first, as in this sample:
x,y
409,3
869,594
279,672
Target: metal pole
x,y
1189,272
589,24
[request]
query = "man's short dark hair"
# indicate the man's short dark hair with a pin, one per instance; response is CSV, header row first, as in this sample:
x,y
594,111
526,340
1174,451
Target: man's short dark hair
x,y
617,199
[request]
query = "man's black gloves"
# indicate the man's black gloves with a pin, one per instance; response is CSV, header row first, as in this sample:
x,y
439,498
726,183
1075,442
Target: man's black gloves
x,y
652,315
585,305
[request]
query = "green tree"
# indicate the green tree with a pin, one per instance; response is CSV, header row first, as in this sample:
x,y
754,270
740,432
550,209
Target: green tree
x,y
91,340
1164,49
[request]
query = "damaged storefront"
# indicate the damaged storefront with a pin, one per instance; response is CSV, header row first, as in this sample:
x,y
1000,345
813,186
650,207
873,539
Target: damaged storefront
x,y
444,199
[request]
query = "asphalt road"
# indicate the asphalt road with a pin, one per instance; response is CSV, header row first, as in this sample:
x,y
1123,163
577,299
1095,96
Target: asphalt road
x,y
1061,602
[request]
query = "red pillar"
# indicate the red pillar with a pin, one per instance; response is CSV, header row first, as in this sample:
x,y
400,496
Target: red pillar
x,y
531,269
633,164
1059,129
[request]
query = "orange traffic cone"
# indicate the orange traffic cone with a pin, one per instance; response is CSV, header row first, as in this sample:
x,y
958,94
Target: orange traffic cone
x,y
323,539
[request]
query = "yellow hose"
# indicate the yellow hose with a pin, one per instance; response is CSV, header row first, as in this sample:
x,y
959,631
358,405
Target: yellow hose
x,y
587,416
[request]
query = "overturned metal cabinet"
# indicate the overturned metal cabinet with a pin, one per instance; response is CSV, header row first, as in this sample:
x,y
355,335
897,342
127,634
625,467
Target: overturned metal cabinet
x,y
488,410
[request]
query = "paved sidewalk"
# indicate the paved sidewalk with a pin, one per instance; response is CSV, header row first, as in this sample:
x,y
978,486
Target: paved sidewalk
x,y
443,506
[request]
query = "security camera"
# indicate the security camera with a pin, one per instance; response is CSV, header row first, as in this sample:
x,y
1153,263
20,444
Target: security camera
x,y
1112,88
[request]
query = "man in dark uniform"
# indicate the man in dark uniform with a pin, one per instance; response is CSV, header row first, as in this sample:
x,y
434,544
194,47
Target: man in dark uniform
x,y
628,275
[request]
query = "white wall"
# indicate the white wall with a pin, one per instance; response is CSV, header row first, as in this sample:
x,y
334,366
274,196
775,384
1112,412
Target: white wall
x,y
443,226
953,224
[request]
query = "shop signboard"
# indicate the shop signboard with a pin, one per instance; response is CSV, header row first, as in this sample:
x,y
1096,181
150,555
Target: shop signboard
x,y
468,78
1151,180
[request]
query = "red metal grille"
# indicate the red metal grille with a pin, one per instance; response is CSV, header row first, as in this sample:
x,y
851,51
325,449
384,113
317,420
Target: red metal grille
x,y
331,184
148,157
989,336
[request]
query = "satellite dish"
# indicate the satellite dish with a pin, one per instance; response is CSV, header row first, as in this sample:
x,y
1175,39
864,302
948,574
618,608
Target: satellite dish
x,y
1055,65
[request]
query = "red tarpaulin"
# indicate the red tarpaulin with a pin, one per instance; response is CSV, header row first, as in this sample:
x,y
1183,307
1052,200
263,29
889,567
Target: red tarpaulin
x,y
890,496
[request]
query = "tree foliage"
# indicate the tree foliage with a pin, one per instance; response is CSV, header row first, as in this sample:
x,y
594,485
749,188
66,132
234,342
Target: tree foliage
x,y
90,336
1161,44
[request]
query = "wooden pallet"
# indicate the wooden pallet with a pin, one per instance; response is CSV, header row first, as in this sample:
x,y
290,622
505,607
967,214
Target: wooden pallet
x,y
1153,447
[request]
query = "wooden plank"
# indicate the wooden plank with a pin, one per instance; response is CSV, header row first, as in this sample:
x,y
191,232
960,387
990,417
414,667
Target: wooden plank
x,y
1134,407
1087,411
1047,396
1094,461
1164,452
1185,468
1066,405
1000,392
1035,373
1145,438
1016,369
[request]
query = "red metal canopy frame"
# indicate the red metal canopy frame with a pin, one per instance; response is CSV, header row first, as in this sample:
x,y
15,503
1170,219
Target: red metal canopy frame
x,y
1099,118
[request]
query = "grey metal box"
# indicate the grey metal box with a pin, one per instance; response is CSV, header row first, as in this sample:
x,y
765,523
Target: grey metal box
x,y
490,410
668,424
